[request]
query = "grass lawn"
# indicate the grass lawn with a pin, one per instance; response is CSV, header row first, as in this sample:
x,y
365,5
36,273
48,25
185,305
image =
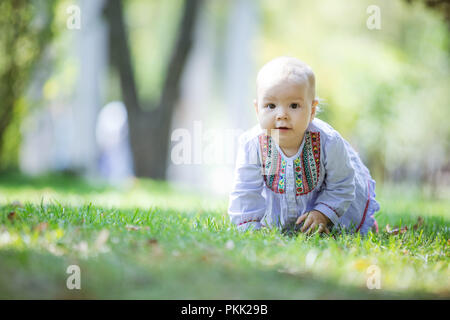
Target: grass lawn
x,y
150,240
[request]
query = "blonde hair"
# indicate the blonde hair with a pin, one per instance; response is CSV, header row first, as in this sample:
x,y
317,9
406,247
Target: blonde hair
x,y
290,68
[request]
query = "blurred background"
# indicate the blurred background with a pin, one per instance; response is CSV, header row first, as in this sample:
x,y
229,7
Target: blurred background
x,y
113,90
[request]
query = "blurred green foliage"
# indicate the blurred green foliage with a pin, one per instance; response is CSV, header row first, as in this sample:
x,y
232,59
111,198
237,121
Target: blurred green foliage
x,y
25,29
385,90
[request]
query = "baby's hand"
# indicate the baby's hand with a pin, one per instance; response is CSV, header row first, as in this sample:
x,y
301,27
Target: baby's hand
x,y
314,219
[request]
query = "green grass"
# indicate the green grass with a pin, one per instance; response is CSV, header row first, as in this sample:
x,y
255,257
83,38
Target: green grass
x,y
151,240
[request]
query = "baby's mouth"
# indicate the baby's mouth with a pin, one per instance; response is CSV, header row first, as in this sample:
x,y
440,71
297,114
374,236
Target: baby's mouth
x,y
282,128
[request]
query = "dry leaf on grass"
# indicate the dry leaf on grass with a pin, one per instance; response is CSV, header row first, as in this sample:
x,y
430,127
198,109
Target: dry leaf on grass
x,y
396,230
41,226
131,227
419,223
12,216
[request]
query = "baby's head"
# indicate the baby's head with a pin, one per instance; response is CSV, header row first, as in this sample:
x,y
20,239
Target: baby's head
x,y
285,102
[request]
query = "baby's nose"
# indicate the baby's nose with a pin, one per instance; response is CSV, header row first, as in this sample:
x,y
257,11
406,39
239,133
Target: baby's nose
x,y
281,114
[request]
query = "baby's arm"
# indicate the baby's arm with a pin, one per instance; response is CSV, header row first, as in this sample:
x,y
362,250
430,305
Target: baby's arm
x,y
247,205
339,185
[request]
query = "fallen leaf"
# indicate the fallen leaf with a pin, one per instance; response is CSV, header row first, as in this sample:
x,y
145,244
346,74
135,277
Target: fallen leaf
x,y
12,216
394,231
41,227
152,241
131,227
397,230
388,228
419,223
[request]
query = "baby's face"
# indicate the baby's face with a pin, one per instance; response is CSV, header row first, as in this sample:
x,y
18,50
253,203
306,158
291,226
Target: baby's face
x,y
285,107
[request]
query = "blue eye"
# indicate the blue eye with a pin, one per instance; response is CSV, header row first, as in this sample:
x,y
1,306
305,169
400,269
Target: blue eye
x,y
294,105
271,106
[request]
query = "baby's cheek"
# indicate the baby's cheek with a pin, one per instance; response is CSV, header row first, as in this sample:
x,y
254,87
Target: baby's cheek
x,y
265,123
267,119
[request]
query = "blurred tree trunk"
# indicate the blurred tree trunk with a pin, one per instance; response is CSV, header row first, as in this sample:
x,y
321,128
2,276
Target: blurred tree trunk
x,y
21,46
149,130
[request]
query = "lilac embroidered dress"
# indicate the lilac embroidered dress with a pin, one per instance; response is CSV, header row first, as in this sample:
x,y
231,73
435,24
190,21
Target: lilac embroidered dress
x,y
273,190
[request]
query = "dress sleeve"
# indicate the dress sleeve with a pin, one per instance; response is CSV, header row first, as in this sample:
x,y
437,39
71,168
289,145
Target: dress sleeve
x,y
247,204
338,190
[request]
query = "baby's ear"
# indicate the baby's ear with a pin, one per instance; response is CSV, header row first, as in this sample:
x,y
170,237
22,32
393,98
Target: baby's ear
x,y
314,108
255,104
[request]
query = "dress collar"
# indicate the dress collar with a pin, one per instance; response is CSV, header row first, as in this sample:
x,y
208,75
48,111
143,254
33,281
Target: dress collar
x,y
297,154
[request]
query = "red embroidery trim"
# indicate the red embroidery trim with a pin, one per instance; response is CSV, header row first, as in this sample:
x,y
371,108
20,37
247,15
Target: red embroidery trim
x,y
367,206
305,183
315,149
304,171
248,222
276,179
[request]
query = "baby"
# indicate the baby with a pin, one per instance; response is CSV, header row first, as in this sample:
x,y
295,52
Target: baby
x,y
293,169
